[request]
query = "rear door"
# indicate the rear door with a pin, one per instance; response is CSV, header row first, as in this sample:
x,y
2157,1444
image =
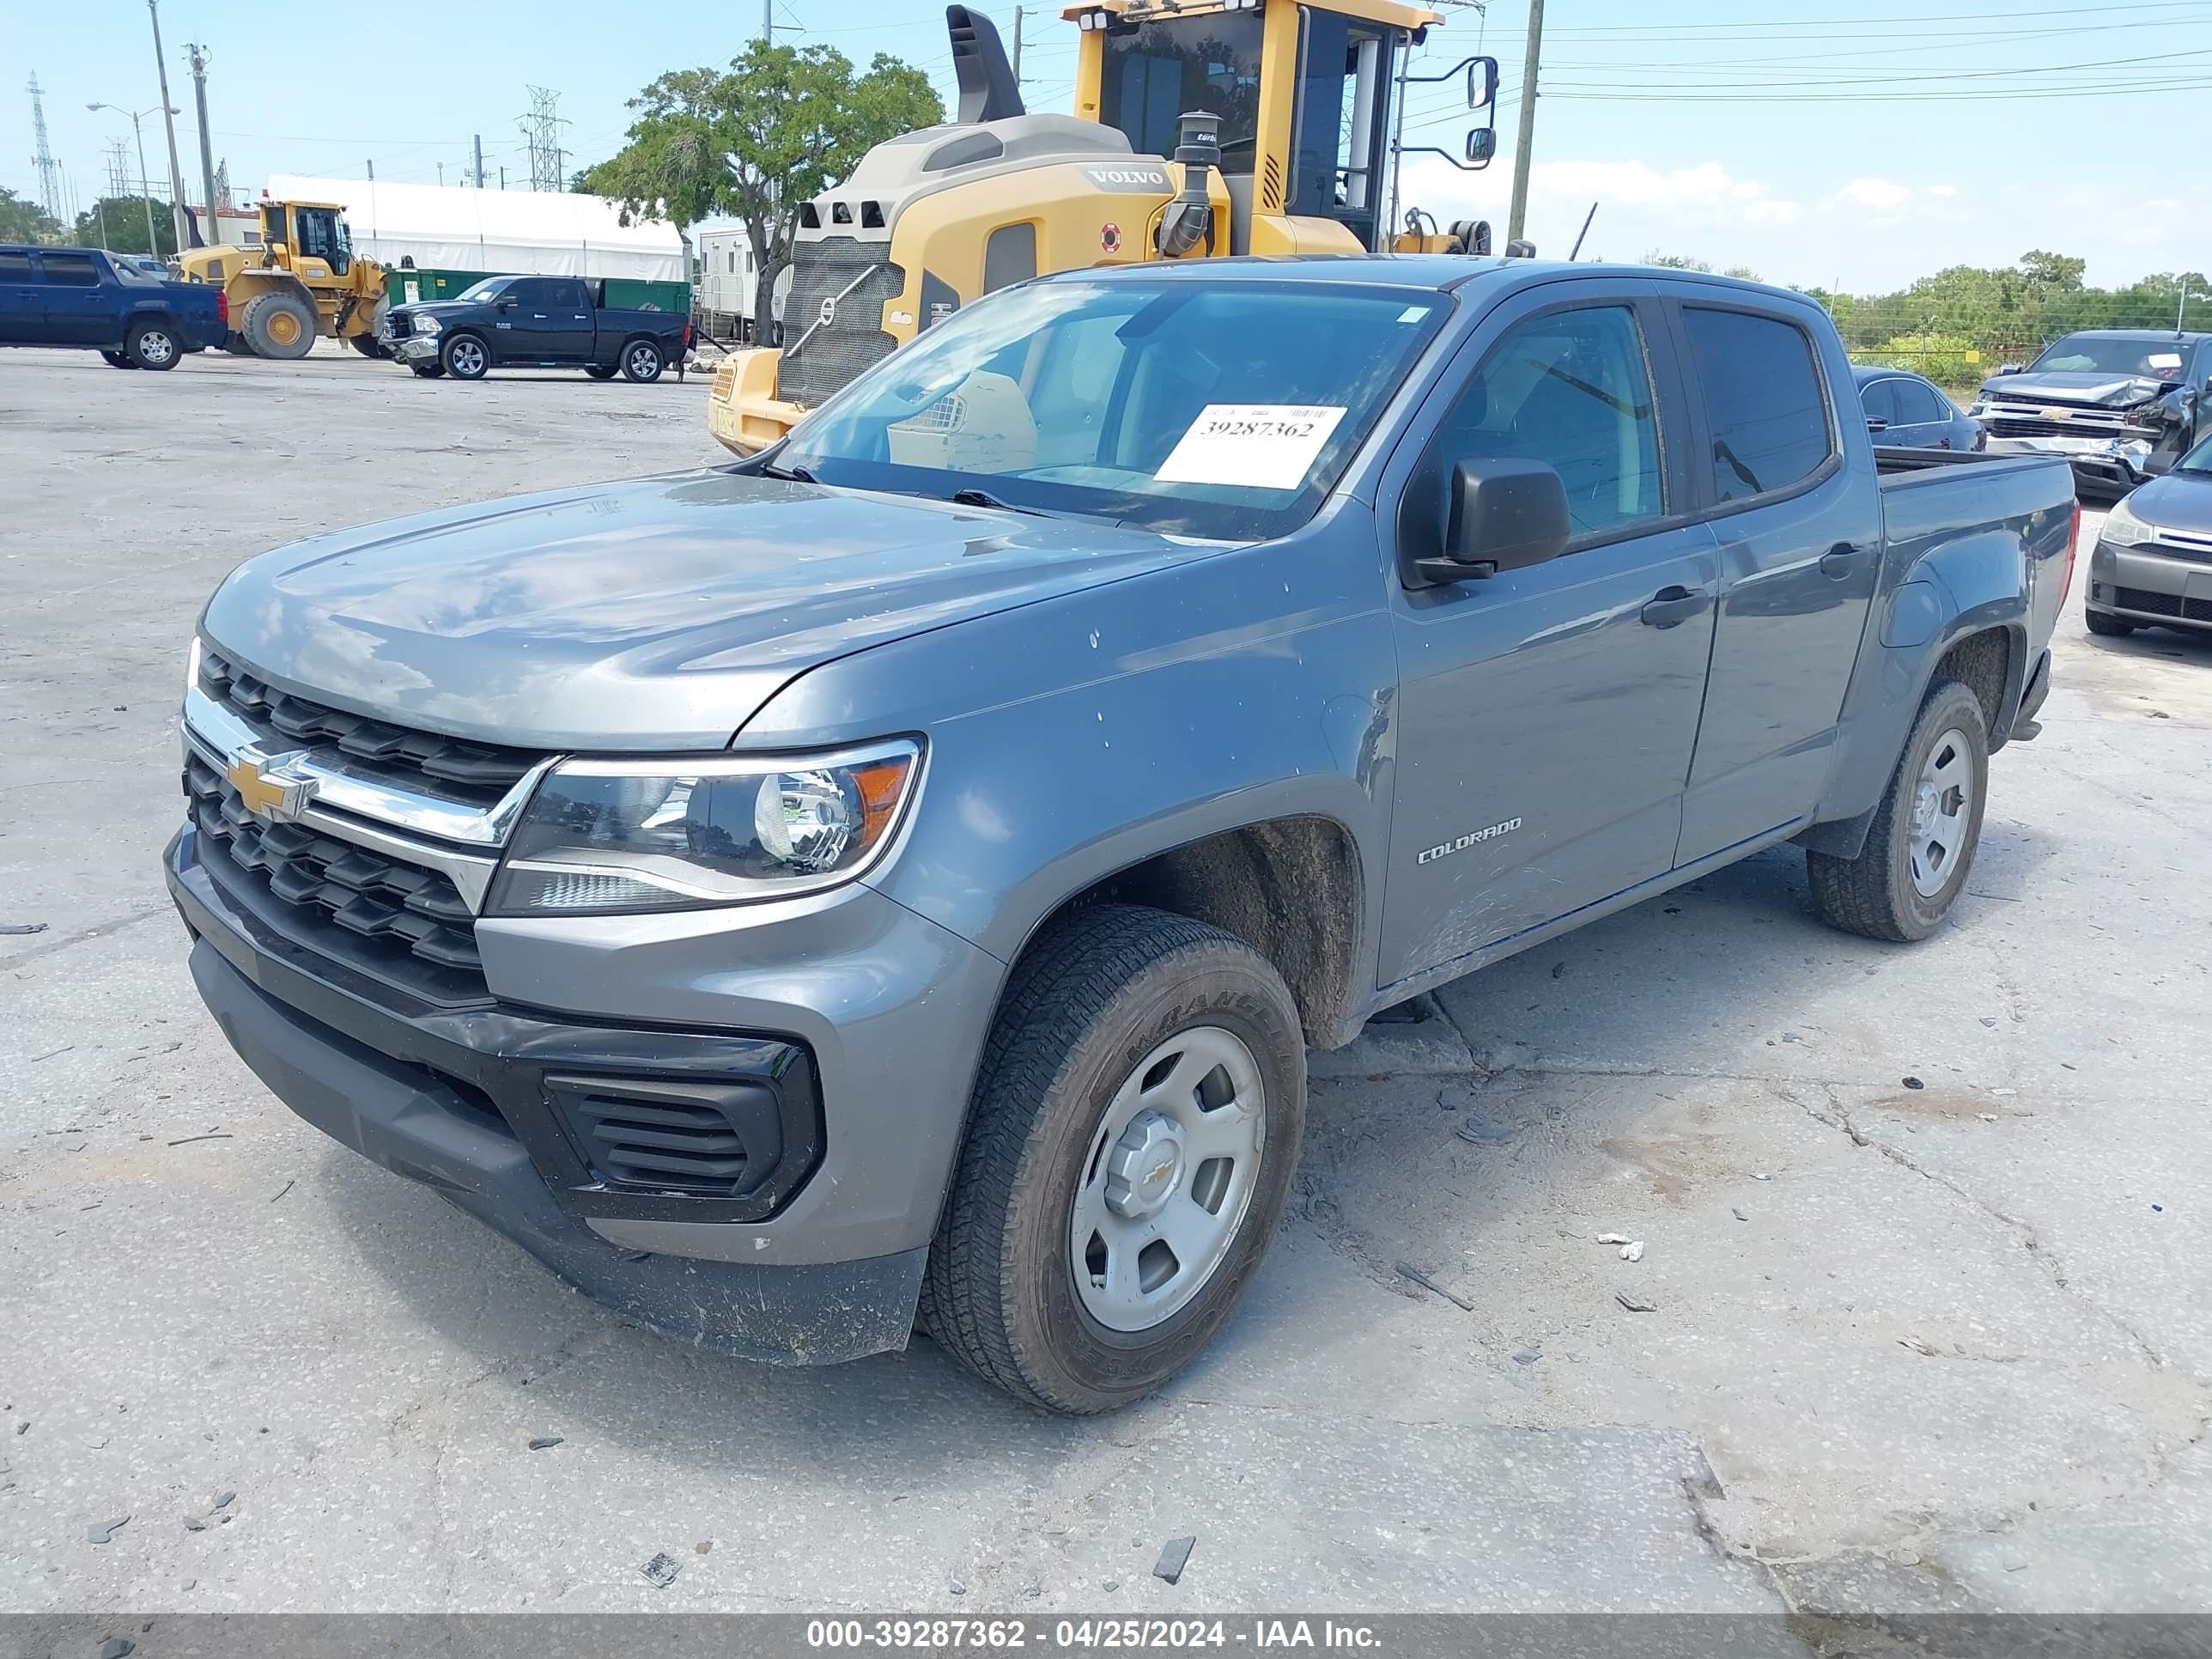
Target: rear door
x,y
1925,414
22,309
78,312
1547,715
1797,515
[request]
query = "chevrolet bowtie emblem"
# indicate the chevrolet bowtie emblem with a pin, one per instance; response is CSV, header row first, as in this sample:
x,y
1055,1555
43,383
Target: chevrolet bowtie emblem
x,y
269,786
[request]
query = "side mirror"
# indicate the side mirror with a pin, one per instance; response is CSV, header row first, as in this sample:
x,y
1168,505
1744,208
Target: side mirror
x,y
1481,145
1503,515
2008,369
1481,83
503,303
1874,425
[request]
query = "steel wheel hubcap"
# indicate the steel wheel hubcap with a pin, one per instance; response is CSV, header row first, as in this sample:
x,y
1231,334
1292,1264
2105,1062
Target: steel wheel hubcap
x,y
1942,805
467,359
154,348
1170,1173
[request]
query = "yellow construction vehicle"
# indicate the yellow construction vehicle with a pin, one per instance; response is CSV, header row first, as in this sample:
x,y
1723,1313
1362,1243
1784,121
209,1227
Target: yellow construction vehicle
x,y
302,280
1280,117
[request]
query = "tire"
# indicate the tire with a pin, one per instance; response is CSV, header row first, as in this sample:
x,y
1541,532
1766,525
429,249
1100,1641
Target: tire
x,y
1898,887
279,325
599,371
116,360
428,371
2107,625
464,357
1108,996
642,361
235,344
368,345
151,345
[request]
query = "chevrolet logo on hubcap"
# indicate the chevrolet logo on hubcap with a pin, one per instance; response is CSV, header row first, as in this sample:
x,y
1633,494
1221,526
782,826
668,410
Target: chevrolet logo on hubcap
x,y
268,784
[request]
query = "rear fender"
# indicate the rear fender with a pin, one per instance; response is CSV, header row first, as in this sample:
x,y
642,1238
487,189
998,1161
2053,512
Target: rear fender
x,y
1973,584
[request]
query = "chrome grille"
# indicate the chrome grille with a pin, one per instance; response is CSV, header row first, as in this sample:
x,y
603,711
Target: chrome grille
x,y
479,774
396,921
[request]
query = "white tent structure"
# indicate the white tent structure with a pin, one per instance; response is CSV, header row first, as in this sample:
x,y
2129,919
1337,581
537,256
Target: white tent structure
x,y
542,233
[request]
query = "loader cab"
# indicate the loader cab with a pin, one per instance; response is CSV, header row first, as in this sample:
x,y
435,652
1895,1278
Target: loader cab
x,y
309,231
1305,92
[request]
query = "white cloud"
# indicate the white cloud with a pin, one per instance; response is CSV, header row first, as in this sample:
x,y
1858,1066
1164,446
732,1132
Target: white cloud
x,y
1877,193
1943,190
1773,213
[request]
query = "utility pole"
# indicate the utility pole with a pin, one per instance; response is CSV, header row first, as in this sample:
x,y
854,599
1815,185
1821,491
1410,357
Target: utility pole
x,y
479,161
1018,46
441,175
198,55
2182,310
169,121
768,22
503,177
1517,222
371,165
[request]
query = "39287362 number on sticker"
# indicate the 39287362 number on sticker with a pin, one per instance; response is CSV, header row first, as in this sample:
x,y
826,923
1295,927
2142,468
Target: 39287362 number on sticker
x,y
1257,446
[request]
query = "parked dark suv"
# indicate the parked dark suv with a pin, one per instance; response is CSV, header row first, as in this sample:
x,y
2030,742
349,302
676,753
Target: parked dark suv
x,y
2121,405
79,296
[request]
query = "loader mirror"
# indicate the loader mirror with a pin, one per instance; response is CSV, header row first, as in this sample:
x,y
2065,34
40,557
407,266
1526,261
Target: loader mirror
x,y
1481,145
1481,83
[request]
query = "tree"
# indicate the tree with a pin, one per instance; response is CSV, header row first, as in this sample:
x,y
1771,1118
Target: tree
x,y
1675,261
122,221
22,220
757,140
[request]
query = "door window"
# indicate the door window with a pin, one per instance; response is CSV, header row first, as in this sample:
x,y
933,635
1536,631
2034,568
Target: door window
x,y
530,293
15,268
71,270
1157,71
1923,405
1570,389
1762,397
1879,399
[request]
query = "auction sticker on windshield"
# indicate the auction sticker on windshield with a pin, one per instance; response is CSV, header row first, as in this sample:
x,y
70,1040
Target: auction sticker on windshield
x,y
1261,445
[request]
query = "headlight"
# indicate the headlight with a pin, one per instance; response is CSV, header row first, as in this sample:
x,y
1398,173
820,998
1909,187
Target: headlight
x,y
427,324
1977,409
603,837
192,664
2123,529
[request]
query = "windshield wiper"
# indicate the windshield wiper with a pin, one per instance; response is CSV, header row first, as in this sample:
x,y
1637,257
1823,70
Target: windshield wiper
x,y
973,497
789,474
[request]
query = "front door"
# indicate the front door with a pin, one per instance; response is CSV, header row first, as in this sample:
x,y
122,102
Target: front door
x,y
1548,715
22,310
531,332
1799,532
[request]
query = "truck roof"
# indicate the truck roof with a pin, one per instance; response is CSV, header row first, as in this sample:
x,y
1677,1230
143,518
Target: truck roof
x,y
1436,272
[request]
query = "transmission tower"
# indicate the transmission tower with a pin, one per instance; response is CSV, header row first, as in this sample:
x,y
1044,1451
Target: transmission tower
x,y
50,173
541,130
118,170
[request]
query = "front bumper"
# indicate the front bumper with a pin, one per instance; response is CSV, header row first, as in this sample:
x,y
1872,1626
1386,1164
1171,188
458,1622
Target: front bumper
x,y
469,1101
2117,462
415,348
2144,584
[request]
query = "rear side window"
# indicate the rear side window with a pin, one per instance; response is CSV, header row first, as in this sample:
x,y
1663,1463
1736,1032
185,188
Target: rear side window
x,y
71,270
1879,399
15,268
1922,405
1763,398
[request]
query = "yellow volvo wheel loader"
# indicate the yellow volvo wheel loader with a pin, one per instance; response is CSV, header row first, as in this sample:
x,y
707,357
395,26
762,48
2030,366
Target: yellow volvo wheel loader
x,y
302,280
1201,128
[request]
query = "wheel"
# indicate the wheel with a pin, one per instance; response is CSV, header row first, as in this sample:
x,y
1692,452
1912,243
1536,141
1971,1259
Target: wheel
x,y
463,357
599,371
1134,1130
428,371
2104,623
368,345
236,344
116,360
641,361
1917,855
151,345
279,326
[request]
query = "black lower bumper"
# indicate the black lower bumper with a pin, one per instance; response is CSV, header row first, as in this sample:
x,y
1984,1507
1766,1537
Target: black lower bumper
x,y
370,1079
2025,725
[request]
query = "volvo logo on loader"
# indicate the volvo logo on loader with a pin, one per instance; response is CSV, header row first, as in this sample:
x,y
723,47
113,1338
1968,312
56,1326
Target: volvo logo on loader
x,y
827,316
1135,178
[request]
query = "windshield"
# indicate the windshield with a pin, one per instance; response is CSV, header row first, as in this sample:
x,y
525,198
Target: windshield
x,y
1225,409
2149,357
2198,459
489,288
1155,72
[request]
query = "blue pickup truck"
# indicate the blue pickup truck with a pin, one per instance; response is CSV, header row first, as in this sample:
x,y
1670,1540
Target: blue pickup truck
x,y
79,296
901,874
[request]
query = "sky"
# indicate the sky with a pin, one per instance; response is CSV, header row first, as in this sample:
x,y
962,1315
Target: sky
x,y
1815,141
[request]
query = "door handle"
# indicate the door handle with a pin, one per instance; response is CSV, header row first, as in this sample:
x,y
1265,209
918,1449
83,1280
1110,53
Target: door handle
x,y
1672,606
1838,561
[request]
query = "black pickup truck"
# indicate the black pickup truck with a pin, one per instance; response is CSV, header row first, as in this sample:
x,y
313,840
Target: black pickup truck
x,y
536,322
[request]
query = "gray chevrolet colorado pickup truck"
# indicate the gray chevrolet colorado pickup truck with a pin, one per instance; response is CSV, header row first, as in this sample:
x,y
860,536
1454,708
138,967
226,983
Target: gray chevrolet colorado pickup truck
x,y
900,877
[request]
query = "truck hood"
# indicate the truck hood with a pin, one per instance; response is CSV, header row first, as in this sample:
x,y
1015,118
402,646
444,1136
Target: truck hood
x,y
2080,386
657,614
